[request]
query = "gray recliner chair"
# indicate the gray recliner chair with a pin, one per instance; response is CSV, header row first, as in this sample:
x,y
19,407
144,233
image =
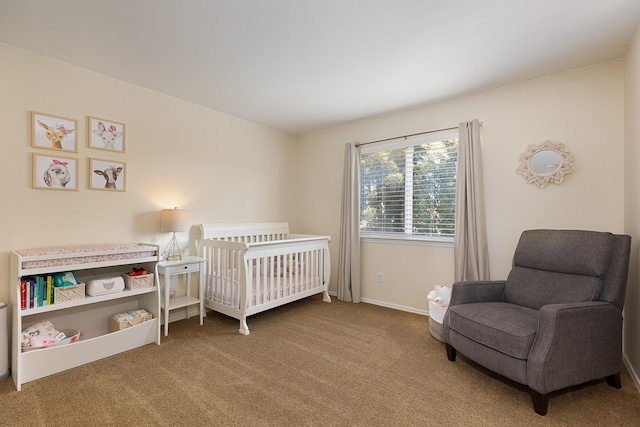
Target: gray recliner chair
x,y
555,322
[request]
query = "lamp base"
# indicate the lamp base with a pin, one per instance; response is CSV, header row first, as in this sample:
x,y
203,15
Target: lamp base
x,y
173,252
169,257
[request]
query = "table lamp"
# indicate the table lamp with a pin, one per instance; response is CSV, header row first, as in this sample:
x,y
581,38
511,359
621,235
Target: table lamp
x,y
174,220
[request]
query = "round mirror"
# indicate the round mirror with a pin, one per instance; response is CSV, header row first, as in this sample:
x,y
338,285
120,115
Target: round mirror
x,y
544,163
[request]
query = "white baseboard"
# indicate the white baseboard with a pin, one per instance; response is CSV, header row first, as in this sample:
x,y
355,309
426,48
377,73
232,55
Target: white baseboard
x,y
389,305
395,306
632,372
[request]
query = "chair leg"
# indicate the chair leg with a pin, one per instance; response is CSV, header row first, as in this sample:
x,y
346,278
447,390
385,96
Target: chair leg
x,y
614,380
540,402
451,353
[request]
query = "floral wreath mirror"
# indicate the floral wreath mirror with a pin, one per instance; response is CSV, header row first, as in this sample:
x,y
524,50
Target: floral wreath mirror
x,y
546,162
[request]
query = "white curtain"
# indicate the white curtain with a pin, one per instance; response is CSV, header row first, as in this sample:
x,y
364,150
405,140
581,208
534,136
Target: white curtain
x,y
349,254
471,254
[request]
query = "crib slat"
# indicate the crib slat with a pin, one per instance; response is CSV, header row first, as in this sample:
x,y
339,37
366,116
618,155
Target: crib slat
x,y
235,272
267,278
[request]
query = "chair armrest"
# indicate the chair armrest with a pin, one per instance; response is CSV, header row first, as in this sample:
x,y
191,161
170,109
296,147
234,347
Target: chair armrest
x,y
575,343
477,291
470,292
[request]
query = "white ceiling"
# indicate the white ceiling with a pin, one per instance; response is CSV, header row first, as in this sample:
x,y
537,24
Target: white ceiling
x,y
306,65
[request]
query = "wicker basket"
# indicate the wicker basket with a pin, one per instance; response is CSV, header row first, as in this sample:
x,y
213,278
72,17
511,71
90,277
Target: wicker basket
x,y
68,293
121,321
138,282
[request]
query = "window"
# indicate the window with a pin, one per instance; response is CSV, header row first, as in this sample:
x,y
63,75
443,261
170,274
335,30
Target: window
x,y
408,188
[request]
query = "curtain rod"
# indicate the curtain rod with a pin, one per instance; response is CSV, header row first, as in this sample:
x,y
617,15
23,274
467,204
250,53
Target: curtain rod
x,y
408,136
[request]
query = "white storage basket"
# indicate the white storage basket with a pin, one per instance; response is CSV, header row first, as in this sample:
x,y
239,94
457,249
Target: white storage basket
x,y
436,316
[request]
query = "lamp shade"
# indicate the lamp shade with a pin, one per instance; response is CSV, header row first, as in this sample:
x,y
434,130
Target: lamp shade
x,y
174,220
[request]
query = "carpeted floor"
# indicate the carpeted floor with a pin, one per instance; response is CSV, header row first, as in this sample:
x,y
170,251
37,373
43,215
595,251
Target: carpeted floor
x,y
306,364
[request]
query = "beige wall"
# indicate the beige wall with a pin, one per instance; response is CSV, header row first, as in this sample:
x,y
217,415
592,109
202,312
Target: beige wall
x,y
582,108
632,204
219,167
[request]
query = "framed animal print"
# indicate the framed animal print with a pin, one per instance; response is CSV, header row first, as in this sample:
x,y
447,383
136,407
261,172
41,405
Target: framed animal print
x,y
55,172
107,175
107,135
53,132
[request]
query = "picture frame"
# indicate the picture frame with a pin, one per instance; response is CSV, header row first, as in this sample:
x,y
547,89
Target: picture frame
x,y
109,175
55,172
106,135
54,132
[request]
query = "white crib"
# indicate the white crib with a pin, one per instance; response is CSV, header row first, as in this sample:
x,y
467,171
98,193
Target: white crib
x,y
254,267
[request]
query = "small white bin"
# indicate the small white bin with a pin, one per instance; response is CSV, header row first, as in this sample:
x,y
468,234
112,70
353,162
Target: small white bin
x,y
436,316
436,312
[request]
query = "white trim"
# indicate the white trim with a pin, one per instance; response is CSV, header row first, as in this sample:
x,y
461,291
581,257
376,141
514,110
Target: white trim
x,y
396,307
632,373
404,239
388,305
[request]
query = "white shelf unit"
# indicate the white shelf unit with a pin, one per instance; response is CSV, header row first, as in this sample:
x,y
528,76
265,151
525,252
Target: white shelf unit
x,y
89,315
185,266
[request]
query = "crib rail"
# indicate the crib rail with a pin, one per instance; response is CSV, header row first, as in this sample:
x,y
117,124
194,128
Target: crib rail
x,y
245,233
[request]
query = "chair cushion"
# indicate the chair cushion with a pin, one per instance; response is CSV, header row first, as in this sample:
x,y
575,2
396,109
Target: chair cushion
x,y
534,288
507,328
587,253
558,266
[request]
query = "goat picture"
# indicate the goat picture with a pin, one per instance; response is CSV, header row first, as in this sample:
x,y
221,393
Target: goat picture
x,y
53,132
106,134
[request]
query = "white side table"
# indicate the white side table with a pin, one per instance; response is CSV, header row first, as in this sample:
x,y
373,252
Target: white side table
x,y
187,265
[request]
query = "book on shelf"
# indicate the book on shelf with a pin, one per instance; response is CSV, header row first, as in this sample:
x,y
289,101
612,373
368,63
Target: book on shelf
x,y
41,289
23,293
49,289
32,293
36,291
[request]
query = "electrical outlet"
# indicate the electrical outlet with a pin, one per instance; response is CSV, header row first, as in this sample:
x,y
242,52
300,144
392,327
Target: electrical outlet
x,y
380,278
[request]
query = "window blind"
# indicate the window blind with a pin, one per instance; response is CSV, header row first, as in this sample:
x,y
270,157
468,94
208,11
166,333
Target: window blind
x,y
409,188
